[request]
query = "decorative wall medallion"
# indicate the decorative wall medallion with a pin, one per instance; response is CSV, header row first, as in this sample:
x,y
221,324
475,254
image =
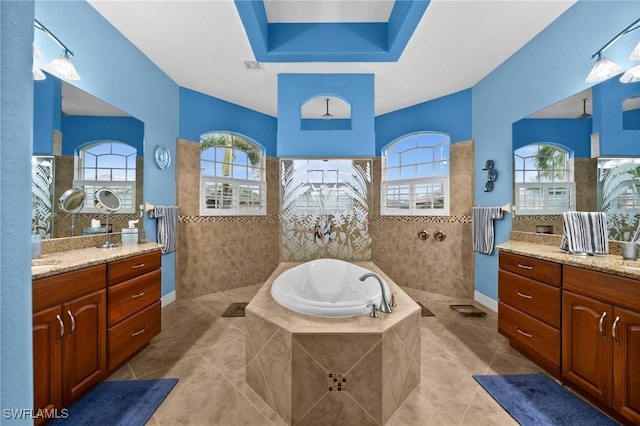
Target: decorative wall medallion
x,y
163,157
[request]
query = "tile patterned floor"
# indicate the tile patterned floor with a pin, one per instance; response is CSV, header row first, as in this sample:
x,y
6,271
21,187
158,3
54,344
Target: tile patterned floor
x,y
207,353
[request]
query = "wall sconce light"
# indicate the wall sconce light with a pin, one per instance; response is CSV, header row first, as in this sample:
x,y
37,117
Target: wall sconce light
x,y
326,115
605,68
60,66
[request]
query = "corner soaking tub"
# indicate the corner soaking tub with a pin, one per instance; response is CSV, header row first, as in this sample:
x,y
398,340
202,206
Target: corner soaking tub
x,y
327,288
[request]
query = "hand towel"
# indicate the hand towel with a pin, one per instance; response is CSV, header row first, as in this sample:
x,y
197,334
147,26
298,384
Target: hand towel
x,y
585,232
482,224
167,226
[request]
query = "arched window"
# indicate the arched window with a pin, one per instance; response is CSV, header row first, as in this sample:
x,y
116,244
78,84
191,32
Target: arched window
x,y
543,178
107,164
232,176
415,176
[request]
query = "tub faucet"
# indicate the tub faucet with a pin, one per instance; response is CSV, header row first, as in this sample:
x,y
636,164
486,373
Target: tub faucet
x,y
384,303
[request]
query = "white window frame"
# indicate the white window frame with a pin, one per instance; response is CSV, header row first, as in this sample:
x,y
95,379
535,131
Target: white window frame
x,y
236,186
544,201
543,192
126,190
413,184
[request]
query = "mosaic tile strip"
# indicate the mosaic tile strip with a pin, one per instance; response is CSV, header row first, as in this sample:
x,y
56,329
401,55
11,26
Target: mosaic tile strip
x,y
337,382
227,219
112,217
422,219
536,218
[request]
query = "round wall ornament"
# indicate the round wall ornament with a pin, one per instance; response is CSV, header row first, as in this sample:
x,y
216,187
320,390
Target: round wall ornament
x,y
163,157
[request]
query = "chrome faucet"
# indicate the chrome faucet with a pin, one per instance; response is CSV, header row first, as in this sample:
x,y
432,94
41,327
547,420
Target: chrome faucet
x,y
384,303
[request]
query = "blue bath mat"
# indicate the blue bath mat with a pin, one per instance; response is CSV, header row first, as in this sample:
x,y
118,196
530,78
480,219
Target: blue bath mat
x,y
129,402
536,399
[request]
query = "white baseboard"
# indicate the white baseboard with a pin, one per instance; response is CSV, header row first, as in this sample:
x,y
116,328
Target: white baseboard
x,y
486,301
168,298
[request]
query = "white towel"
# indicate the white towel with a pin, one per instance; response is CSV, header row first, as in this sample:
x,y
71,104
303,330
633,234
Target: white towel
x,y
167,226
585,232
482,224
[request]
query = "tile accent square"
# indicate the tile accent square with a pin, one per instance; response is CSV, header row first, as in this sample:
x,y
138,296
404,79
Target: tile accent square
x,y
337,382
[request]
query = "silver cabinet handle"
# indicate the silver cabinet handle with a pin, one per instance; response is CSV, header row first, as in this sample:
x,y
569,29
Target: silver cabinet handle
x,y
61,328
526,296
613,330
73,324
521,266
142,293
137,333
138,266
601,326
523,333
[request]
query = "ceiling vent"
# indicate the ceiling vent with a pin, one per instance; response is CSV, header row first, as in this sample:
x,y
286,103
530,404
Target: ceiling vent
x,y
251,65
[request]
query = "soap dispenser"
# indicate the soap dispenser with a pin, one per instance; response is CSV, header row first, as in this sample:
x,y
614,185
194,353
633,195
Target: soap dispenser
x,y
130,234
36,244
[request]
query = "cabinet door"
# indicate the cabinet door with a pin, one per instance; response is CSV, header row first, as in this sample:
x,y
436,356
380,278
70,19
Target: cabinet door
x,y
84,347
47,359
626,352
586,345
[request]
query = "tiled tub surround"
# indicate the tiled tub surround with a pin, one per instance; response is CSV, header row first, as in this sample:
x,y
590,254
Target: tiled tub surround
x,y
445,267
313,370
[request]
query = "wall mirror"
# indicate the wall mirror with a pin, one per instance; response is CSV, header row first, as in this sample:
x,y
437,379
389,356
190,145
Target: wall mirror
x,y
82,142
554,171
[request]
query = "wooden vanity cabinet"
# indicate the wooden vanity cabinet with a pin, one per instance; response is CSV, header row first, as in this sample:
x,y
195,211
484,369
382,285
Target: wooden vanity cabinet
x,y
529,307
69,335
134,315
601,338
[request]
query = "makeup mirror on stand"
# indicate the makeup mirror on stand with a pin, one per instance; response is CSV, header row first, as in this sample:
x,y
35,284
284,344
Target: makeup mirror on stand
x,y
107,202
72,201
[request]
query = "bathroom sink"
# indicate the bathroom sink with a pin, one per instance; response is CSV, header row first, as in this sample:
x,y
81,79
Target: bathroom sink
x,y
45,262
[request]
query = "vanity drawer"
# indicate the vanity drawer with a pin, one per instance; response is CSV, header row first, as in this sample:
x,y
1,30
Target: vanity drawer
x,y
121,270
540,270
533,336
614,289
539,300
129,297
129,336
51,291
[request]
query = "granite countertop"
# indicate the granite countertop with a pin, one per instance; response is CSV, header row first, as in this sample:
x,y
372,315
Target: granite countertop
x,y
65,261
611,264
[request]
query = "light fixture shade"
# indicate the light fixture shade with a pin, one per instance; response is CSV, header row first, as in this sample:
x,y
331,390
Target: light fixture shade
x,y
632,75
62,67
635,55
603,69
37,73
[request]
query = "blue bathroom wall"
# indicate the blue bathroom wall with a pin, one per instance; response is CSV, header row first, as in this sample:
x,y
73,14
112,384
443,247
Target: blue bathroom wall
x,y
571,134
16,131
114,70
608,97
631,119
449,114
78,130
296,89
47,112
200,113
551,67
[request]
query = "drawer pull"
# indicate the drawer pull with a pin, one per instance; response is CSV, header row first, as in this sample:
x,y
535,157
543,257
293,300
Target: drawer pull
x,y
521,266
613,330
601,326
138,266
142,293
61,328
523,333
137,333
526,296
73,324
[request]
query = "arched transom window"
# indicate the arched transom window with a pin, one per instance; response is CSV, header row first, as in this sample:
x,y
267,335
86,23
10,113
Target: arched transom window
x,y
107,164
543,179
232,175
415,175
